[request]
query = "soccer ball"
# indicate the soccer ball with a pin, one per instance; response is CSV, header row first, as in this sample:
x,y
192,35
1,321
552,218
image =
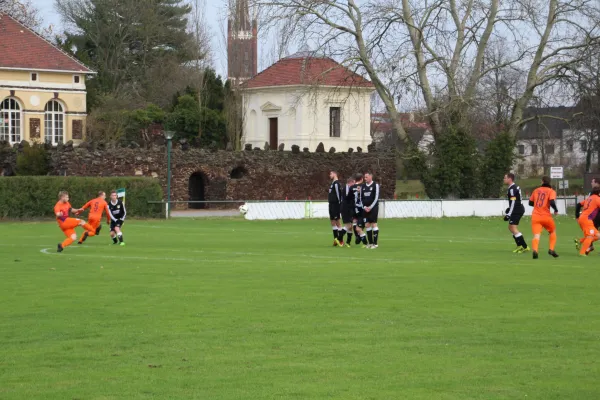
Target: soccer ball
x,y
243,209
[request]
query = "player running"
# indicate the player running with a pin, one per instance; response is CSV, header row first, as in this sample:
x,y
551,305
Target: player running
x,y
67,224
542,199
348,206
335,200
515,212
97,207
370,201
578,208
586,222
117,213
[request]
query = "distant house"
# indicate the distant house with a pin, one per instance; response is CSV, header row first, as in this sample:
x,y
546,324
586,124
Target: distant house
x,y
552,138
42,88
417,129
306,99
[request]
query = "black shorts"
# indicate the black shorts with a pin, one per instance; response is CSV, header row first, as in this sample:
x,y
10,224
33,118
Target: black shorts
x,y
359,217
515,219
334,211
371,216
116,223
347,214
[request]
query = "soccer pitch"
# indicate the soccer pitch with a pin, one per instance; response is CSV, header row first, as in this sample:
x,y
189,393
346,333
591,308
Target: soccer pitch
x,y
232,309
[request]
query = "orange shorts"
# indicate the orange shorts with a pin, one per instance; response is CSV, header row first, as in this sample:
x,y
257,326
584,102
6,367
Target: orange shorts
x,y
68,226
588,228
539,223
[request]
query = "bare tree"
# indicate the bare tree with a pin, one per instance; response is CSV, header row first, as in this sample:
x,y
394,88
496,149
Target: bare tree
x,y
439,47
22,10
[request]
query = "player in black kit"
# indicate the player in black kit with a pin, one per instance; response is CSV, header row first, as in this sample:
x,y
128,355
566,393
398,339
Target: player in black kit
x,y
117,210
515,212
348,205
359,218
335,201
370,201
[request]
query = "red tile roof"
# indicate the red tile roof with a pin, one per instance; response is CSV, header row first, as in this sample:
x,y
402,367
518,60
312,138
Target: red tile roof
x,y
302,70
22,48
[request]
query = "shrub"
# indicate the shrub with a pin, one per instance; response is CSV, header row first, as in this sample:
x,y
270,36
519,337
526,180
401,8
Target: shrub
x,y
34,197
33,161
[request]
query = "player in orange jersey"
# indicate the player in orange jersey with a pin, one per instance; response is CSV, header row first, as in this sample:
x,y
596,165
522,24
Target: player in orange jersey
x,y
67,224
591,208
578,208
541,200
97,207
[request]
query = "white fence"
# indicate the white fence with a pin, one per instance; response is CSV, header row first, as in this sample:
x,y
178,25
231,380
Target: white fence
x,y
393,209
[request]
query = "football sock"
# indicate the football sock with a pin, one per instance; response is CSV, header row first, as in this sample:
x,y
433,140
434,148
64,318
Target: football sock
x,y
586,245
520,239
375,235
516,240
115,241
535,244
552,240
67,242
335,232
349,237
341,232
370,235
120,236
363,238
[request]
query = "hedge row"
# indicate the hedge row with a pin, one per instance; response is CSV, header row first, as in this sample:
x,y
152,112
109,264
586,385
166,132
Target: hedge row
x,y
23,197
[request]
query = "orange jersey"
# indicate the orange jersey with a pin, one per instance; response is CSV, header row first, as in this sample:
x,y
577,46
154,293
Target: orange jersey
x,y
541,198
97,206
65,208
591,206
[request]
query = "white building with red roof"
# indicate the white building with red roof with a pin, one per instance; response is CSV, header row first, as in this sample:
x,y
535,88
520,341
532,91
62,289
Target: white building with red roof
x,y
304,100
42,88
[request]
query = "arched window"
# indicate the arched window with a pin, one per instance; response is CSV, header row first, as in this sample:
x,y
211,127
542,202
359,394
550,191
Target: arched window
x,y
10,120
54,122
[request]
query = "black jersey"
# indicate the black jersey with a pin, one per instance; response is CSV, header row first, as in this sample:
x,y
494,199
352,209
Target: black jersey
x,y
515,203
369,194
355,190
349,196
335,192
117,210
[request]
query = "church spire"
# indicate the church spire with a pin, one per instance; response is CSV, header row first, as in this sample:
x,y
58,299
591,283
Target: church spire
x,y
242,30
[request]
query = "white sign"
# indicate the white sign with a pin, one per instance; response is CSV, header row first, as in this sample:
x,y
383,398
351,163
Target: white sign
x,y
563,184
556,172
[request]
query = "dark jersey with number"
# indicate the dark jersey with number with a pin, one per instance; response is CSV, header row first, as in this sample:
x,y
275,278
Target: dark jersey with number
x,y
335,192
117,210
355,189
515,204
369,194
348,196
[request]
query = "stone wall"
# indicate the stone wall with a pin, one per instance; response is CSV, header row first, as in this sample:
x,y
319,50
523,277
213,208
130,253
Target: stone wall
x,y
228,175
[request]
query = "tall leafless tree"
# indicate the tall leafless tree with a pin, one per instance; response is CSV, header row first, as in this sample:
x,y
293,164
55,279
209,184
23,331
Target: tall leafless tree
x,y
437,48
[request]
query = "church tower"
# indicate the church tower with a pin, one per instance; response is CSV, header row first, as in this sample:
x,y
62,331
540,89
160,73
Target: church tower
x,y
242,51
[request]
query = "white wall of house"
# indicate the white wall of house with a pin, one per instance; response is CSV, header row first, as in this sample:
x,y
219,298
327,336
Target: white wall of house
x,y
303,116
569,152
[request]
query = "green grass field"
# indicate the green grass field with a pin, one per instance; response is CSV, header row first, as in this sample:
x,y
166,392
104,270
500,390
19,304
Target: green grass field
x,y
232,309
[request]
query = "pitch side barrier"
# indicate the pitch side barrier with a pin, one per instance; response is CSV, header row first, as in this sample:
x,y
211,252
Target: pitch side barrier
x,y
307,209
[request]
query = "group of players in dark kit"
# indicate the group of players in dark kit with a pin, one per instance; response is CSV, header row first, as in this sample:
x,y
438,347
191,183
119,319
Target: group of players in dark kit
x,y
357,205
